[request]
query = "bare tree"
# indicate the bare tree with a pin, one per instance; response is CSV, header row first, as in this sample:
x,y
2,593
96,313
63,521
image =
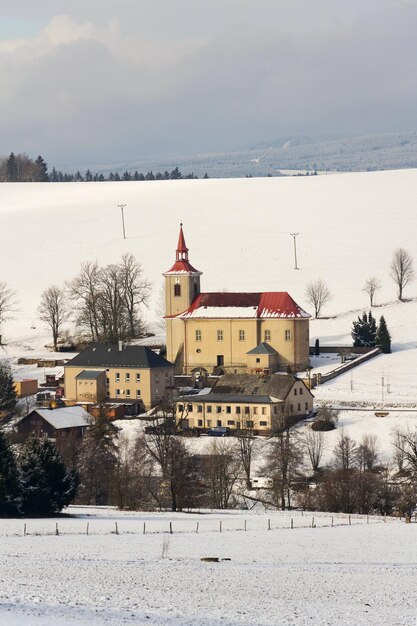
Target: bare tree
x,y
405,441
344,452
136,291
372,285
317,294
53,310
7,301
284,461
367,452
402,270
312,443
222,470
246,442
84,290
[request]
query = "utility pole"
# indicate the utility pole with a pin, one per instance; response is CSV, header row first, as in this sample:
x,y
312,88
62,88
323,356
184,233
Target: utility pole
x,y
294,235
121,207
382,387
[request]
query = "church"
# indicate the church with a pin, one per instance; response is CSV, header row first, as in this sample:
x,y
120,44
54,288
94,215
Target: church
x,y
220,332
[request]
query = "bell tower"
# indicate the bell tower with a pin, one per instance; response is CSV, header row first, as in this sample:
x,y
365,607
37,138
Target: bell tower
x,y
182,281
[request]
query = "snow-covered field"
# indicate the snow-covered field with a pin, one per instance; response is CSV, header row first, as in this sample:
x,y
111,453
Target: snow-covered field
x,y
238,232
360,574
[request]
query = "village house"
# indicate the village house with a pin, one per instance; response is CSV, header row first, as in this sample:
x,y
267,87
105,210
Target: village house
x,y
261,332
57,424
240,401
128,374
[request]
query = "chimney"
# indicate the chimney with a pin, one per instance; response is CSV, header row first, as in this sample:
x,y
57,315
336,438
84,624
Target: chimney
x,y
120,346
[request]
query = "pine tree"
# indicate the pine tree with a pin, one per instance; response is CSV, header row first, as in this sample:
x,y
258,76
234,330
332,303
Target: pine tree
x,y
41,171
364,331
317,348
9,478
383,337
11,169
46,485
8,397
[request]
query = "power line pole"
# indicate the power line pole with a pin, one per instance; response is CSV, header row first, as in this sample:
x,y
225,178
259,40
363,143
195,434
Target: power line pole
x,y
294,235
121,207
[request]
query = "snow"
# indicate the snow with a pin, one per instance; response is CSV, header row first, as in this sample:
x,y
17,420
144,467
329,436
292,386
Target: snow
x,y
360,574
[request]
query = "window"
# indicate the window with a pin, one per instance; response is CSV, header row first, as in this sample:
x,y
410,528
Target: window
x,y
190,408
157,392
117,377
255,410
230,422
258,360
199,408
200,422
275,409
241,335
208,422
180,408
208,409
299,407
249,424
177,290
218,409
219,422
127,393
127,377
138,378
247,411
264,410
238,410
219,335
138,393
157,379
117,393
263,423
198,335
267,335
295,392
287,335
291,408
108,382
301,391
228,409
306,406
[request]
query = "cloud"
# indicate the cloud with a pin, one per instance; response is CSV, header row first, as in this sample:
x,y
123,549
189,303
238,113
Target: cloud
x,y
94,90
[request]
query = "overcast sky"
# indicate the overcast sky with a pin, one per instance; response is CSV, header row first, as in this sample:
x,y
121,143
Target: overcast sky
x,y
98,81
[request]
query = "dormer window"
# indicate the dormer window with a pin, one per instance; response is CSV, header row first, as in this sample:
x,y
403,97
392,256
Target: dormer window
x,y
177,290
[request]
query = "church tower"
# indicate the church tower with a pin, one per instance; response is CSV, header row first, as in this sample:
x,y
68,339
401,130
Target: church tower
x,y
182,286
182,281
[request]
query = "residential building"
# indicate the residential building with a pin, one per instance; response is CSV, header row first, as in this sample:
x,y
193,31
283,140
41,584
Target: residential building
x,y
128,374
57,424
230,332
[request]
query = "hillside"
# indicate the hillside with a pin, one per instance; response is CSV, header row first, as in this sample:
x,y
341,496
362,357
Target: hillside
x,y
322,152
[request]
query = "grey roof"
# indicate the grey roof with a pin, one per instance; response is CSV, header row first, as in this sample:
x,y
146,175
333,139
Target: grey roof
x,y
66,417
276,385
89,374
212,398
101,355
262,348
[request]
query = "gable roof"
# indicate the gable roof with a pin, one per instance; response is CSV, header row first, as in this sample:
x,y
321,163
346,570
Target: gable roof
x,y
208,398
66,417
102,355
274,304
262,348
275,385
89,374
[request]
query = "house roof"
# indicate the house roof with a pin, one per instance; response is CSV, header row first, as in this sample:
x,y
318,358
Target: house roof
x,y
276,385
274,304
182,264
89,374
262,348
101,355
66,417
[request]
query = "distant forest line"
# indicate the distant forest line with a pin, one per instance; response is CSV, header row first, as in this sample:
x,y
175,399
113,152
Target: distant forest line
x,y
20,168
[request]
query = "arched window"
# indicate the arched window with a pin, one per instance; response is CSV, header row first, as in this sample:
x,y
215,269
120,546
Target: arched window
x,y
177,289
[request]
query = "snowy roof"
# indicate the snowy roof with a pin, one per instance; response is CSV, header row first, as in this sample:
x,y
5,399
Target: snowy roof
x,y
102,355
274,304
229,397
66,417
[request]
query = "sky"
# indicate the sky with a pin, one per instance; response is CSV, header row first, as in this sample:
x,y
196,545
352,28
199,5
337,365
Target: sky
x,y
90,82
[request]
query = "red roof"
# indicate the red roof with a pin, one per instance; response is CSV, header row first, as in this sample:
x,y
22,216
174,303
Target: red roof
x,y
259,305
181,247
182,264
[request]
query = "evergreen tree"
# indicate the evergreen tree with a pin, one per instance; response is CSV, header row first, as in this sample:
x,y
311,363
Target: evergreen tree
x,y
46,485
117,177
54,177
175,174
41,171
9,477
11,169
8,397
317,348
364,331
383,337
88,176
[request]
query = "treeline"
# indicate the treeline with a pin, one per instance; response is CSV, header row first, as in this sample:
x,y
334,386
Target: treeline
x,y
19,168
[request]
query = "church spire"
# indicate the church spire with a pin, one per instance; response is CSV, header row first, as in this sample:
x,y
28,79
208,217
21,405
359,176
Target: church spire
x,y
182,250
182,264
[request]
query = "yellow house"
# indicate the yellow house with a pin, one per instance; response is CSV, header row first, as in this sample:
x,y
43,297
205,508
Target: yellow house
x,y
129,374
230,332
247,402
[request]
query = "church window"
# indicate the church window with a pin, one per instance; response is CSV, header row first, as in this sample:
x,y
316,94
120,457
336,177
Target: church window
x,y
267,335
198,335
219,335
177,290
241,335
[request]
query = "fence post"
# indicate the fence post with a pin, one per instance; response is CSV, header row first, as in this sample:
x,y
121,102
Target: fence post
x,y
88,526
56,529
220,526
312,523
292,523
196,527
24,530
350,523
144,528
269,524
367,519
385,518
170,528
116,528
245,524
332,521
